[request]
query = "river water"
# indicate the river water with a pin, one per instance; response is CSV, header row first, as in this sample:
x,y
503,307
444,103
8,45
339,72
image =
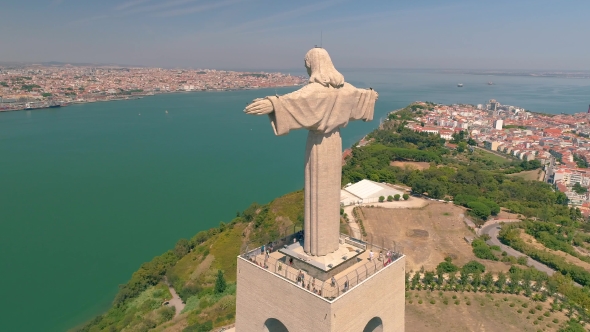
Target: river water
x,y
89,192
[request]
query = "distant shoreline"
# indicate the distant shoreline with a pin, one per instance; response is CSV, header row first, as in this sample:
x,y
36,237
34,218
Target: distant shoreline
x,y
140,96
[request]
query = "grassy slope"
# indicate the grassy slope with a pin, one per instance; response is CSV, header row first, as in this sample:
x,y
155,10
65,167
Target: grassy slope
x,y
194,274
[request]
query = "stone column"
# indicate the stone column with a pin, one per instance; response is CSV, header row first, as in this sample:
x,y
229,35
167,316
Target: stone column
x,y
323,172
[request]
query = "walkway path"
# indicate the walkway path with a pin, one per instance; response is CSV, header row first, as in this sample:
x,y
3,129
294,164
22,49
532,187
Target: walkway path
x,y
176,301
354,227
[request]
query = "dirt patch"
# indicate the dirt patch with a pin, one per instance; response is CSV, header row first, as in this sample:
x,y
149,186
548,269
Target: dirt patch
x,y
505,214
568,258
495,315
441,222
410,164
417,233
203,266
532,175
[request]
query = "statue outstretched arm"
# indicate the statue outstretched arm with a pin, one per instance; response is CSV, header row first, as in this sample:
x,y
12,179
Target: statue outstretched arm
x,y
259,106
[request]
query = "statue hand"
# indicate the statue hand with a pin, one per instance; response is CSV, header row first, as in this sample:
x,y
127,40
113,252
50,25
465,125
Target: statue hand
x,y
259,106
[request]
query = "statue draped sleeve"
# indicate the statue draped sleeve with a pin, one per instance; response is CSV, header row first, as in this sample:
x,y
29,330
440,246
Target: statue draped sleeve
x,y
319,108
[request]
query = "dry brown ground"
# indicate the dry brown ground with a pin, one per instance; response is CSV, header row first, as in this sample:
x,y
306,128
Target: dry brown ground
x,y
568,258
475,317
506,215
419,165
532,175
426,235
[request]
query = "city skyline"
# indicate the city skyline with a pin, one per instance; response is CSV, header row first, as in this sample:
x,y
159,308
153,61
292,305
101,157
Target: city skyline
x,y
238,34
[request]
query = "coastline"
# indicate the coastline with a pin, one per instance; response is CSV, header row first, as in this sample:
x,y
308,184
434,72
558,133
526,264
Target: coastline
x,y
140,96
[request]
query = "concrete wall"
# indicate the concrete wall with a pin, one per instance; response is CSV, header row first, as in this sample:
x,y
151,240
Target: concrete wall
x,y
382,295
262,295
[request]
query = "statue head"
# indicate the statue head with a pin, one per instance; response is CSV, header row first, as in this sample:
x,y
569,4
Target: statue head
x,y
320,68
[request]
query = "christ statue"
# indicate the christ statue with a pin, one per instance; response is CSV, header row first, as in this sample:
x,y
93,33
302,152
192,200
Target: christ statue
x,y
323,106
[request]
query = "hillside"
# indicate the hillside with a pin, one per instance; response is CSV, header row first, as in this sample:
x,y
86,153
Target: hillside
x,y
192,268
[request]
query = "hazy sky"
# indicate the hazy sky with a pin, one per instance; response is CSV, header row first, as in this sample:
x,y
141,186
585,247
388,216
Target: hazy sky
x,y
243,34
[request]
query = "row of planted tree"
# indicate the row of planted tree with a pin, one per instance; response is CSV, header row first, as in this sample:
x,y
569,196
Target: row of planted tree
x,y
533,284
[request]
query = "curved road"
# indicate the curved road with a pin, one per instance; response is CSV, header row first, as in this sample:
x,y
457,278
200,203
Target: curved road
x,y
493,230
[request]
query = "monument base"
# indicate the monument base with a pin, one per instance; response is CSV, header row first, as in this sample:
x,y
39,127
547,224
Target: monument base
x,y
321,267
273,296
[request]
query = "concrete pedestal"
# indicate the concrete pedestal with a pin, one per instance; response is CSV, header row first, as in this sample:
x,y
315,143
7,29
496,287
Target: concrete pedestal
x,y
268,302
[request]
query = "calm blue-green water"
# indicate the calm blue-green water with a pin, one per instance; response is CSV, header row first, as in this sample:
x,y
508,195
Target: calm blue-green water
x,y
89,192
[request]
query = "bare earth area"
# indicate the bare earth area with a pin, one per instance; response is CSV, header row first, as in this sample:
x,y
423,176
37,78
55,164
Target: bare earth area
x,y
419,165
486,312
425,235
532,175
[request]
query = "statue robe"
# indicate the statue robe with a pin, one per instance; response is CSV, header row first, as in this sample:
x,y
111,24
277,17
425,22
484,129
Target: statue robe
x,y
323,111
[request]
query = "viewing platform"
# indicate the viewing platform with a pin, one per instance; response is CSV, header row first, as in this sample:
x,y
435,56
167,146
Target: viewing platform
x,y
329,276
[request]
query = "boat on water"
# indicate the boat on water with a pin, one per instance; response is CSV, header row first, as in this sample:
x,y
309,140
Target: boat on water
x,y
166,111
460,85
490,83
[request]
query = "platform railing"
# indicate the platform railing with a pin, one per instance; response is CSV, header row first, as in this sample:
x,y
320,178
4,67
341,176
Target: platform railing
x,y
328,289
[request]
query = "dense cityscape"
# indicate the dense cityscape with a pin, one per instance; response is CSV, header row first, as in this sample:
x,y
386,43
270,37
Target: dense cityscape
x,y
38,86
560,142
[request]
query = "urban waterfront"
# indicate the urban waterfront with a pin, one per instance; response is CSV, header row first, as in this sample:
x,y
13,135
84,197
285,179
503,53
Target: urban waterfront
x,y
89,192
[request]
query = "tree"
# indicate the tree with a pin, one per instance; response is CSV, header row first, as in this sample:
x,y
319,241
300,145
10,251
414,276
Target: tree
x,y
579,189
501,280
480,210
396,197
381,199
471,142
181,248
390,198
461,147
220,283
406,197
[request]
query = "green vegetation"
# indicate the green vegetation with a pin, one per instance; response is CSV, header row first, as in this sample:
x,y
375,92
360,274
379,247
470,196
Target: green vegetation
x,y
514,126
255,75
580,161
4,84
509,235
579,189
29,87
220,284
46,94
470,178
202,270
482,250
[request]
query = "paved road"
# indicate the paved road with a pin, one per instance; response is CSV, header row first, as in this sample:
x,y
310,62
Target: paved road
x,y
493,229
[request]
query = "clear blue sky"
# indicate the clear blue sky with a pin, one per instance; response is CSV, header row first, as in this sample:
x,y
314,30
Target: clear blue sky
x,y
499,34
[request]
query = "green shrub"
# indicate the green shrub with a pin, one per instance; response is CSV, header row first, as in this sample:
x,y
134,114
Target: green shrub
x,y
446,267
473,267
204,327
220,283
